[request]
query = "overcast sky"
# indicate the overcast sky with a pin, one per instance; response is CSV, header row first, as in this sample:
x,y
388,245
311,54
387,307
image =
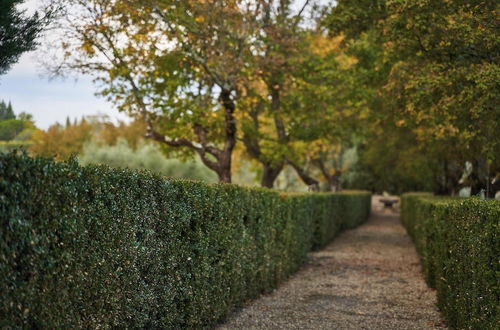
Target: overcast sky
x,y
51,101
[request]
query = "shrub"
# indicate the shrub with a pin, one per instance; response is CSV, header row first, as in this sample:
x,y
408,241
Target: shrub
x,y
10,128
9,146
146,156
93,247
457,240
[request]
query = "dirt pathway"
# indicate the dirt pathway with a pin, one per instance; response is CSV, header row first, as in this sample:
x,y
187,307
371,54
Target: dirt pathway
x,y
367,278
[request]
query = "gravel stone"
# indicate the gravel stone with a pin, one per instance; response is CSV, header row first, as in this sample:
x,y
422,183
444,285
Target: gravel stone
x,y
367,278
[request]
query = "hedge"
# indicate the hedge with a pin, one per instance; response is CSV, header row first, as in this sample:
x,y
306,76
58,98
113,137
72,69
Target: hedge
x,y
458,243
94,247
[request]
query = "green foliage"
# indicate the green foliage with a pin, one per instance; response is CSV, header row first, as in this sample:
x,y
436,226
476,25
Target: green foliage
x,y
446,79
9,129
457,240
379,169
347,210
27,117
8,146
17,33
14,133
435,77
89,247
353,18
6,111
146,156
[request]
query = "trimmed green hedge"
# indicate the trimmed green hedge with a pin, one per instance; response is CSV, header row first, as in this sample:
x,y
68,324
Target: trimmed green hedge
x,y
459,248
93,247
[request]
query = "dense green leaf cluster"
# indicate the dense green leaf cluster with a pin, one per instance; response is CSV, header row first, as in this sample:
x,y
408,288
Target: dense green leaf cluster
x,y
17,33
431,85
458,244
93,247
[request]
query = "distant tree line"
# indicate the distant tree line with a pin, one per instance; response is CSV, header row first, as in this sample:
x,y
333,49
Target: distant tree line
x,y
12,127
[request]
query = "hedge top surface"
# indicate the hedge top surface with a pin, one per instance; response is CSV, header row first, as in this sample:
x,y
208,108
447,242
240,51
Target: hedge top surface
x,y
437,199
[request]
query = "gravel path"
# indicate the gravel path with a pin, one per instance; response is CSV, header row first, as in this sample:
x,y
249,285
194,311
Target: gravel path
x,y
367,278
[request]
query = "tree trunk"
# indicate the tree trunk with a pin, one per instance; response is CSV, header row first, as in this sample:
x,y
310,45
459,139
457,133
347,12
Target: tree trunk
x,y
224,175
252,145
312,183
220,162
442,188
269,174
224,172
334,182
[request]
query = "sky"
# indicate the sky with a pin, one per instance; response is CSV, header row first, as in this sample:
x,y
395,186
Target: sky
x,y
51,101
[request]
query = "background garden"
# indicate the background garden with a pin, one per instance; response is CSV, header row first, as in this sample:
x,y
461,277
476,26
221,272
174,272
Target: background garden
x,y
388,95
384,96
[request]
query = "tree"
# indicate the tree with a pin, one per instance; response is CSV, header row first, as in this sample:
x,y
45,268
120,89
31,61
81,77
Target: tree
x,y
10,128
6,111
328,109
440,89
18,32
193,92
282,42
133,132
298,95
447,78
178,65
62,142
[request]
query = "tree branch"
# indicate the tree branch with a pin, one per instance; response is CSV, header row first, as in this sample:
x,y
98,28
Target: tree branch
x,y
302,9
154,135
308,180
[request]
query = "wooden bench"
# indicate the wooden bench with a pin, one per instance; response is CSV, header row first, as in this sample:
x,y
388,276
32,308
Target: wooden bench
x,y
388,202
